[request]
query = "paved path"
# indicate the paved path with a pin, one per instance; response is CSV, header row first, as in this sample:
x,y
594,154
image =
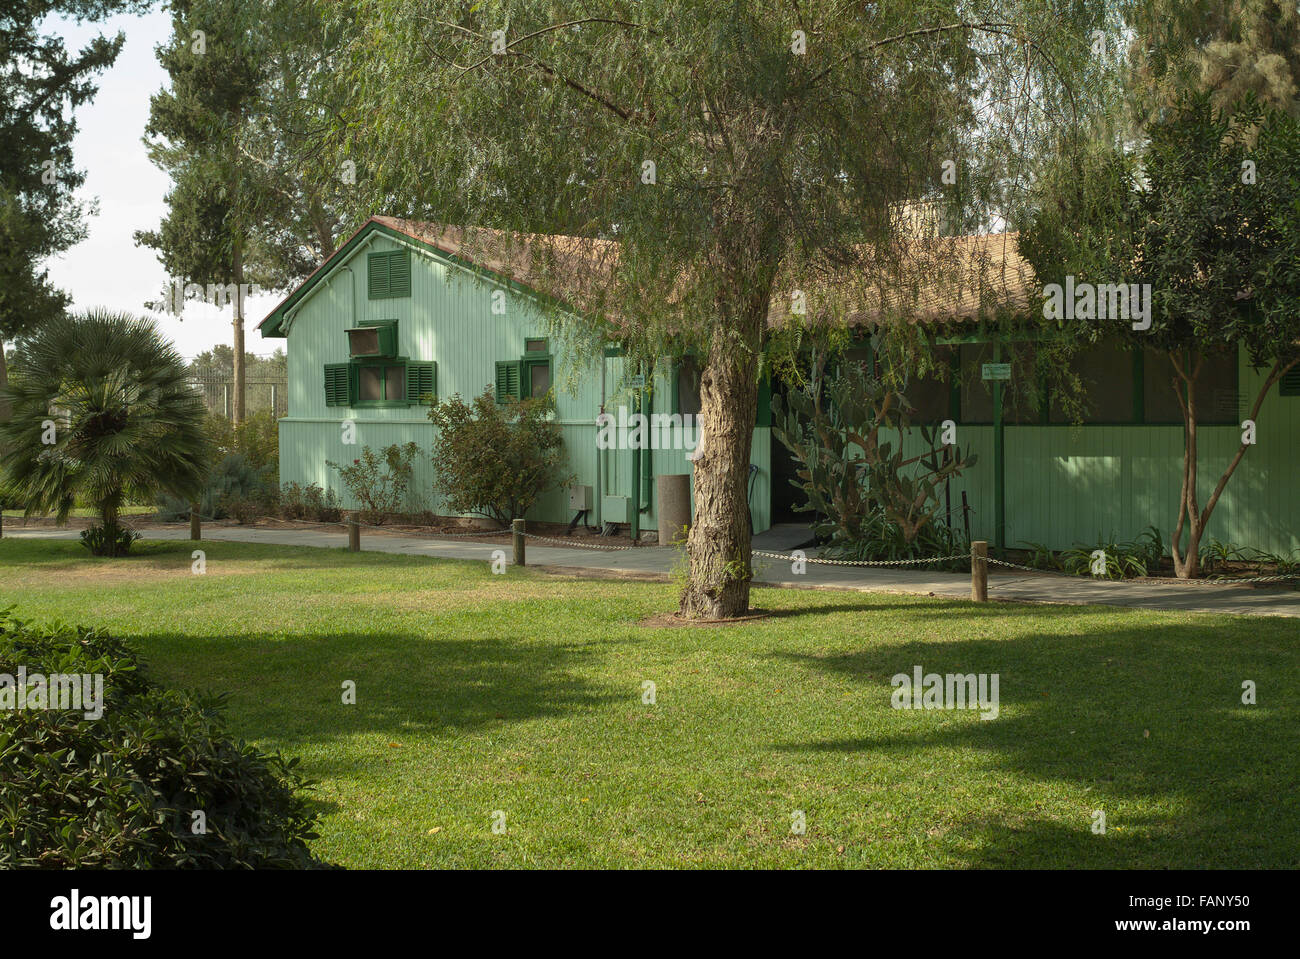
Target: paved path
x,y
658,561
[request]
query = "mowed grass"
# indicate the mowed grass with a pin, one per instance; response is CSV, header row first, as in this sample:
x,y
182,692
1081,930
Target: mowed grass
x,y
523,693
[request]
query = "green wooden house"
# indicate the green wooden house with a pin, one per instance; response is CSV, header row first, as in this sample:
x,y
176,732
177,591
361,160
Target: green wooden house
x,y
401,311
398,313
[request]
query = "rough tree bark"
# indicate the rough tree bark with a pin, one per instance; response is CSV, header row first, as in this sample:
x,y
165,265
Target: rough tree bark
x,y
718,546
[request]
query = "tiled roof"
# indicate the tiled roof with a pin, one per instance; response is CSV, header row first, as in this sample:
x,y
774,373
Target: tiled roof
x,y
955,279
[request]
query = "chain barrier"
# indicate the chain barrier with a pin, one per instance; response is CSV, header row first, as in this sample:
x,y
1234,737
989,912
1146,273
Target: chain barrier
x,y
861,562
429,532
577,545
1010,565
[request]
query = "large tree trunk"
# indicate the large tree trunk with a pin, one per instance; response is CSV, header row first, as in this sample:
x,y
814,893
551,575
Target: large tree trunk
x,y
237,405
718,547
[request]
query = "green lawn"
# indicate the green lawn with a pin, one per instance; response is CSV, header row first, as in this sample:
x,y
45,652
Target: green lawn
x,y
85,512
523,693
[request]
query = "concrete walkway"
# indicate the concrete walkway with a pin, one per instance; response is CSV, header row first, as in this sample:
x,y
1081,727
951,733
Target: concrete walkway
x,y
658,561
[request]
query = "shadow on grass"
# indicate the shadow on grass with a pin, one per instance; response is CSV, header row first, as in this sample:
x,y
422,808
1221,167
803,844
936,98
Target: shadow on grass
x,y
291,688
1119,714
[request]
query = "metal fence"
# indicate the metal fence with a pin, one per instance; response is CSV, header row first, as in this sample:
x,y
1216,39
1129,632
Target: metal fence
x,y
260,393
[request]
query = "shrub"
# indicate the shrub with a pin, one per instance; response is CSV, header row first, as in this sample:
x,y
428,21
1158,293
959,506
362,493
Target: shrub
x,y
872,502
496,460
120,791
1138,557
379,486
256,439
232,478
108,539
309,503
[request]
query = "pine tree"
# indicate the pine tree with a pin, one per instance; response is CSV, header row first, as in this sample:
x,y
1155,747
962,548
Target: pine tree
x,y
41,86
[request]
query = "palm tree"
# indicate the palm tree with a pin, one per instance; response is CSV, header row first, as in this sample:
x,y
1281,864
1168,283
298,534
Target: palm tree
x,y
102,413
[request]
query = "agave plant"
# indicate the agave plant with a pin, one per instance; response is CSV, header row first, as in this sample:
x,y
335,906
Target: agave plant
x,y
102,413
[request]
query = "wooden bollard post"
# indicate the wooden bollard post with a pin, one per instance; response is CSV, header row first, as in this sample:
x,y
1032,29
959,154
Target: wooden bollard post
x,y
517,530
354,534
979,571
196,525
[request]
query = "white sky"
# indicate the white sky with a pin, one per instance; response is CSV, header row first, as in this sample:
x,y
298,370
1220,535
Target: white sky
x,y
107,268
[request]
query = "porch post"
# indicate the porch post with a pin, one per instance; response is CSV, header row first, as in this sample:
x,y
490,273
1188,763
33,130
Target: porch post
x,y
999,461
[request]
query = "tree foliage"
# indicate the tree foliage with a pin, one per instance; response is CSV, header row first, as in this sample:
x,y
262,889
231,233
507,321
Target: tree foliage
x,y
706,162
1227,48
101,414
1207,216
42,84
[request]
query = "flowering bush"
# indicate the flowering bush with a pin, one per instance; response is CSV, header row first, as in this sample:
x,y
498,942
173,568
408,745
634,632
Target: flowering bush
x,y
379,484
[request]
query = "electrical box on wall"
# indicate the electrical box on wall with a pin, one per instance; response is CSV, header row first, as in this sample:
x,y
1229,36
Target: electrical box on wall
x,y
579,497
614,509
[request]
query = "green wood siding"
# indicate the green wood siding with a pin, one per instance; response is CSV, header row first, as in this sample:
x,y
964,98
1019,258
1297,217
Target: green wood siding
x,y
1067,484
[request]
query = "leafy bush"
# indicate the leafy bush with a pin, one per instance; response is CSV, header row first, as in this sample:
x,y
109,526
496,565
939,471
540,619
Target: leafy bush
x,y
108,539
309,503
1040,557
234,477
872,502
1279,564
1217,554
496,460
1138,557
256,439
379,486
121,791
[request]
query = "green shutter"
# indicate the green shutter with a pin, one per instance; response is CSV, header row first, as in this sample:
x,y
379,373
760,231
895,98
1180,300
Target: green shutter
x,y
388,274
421,381
336,384
1289,384
399,273
377,275
508,376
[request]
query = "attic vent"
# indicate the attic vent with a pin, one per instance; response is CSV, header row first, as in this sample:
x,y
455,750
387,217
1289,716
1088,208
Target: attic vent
x,y
388,274
1289,385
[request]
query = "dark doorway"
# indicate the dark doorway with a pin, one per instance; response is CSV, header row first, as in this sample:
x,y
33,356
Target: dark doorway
x,y
785,495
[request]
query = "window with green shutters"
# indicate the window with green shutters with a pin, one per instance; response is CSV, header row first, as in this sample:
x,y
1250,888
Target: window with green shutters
x,y
395,382
388,274
525,377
